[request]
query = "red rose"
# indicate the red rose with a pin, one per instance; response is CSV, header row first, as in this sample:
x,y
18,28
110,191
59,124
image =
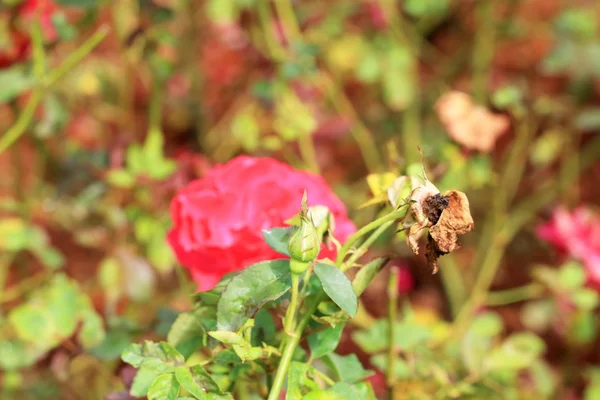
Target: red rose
x,y
576,234
218,220
42,9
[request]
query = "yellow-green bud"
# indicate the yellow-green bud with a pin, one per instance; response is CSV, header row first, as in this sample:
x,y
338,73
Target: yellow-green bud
x,y
304,245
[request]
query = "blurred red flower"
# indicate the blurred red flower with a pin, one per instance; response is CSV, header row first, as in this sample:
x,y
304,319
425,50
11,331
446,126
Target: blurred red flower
x,y
218,219
18,46
406,282
576,234
46,8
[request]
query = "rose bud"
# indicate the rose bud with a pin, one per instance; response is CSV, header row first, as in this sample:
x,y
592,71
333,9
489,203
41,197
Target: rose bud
x,y
304,244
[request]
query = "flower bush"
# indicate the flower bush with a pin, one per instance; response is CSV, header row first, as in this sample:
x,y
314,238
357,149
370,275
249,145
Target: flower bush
x,y
218,220
446,129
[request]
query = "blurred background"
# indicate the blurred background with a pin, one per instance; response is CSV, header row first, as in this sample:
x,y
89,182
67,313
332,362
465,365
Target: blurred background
x,y
108,108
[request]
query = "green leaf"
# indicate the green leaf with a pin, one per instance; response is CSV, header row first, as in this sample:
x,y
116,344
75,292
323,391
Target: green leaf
x,y
222,11
78,3
250,290
16,355
584,328
588,119
547,147
298,381
33,323
347,391
120,178
399,78
160,357
265,330
571,276
365,391
165,387
189,331
407,335
62,301
204,380
586,298
519,351
401,368
92,329
367,273
577,23
338,287
51,258
246,130
537,315
323,395
185,379
325,341
542,376
228,337
477,342
368,69
142,382
16,235
113,345
277,239
14,81
347,368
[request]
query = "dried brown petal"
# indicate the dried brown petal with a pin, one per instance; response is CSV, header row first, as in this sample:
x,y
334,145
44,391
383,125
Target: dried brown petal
x,y
455,220
418,215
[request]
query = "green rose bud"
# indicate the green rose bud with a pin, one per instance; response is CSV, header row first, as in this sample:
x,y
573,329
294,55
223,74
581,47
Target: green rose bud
x,y
304,244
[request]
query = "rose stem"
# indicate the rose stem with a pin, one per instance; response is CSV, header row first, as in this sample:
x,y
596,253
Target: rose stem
x,y
394,215
483,48
392,312
25,118
294,339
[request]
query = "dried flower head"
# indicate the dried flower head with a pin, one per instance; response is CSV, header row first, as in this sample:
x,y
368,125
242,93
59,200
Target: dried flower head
x,y
446,216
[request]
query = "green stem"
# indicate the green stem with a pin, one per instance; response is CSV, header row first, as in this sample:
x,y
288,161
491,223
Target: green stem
x,y
290,348
293,340
285,11
484,280
276,52
504,191
514,295
323,376
358,130
290,314
307,150
77,56
155,111
242,390
365,245
483,49
39,56
392,312
394,215
453,283
25,118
